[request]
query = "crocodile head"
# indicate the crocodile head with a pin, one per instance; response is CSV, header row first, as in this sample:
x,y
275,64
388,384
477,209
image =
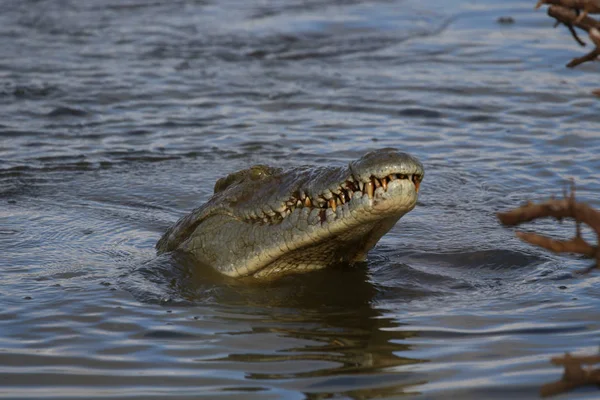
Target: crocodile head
x,y
268,222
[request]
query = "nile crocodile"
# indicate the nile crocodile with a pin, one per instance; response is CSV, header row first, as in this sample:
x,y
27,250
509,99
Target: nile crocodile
x,y
268,222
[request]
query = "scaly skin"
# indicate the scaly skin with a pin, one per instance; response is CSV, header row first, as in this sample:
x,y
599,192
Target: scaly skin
x,y
266,222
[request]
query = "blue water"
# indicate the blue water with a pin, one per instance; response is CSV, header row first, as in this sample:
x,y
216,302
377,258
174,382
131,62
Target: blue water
x,y
117,117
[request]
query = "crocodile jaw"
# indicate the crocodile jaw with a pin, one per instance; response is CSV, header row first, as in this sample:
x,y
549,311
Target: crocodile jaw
x,y
267,222
302,242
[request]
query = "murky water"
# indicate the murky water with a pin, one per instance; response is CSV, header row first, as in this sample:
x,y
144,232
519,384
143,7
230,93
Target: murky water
x,y
117,117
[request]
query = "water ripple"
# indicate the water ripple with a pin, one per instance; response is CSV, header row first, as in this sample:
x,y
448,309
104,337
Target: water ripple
x,y
117,117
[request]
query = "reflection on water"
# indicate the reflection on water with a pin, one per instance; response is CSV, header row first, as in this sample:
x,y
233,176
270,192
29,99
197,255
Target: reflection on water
x,y
323,330
117,117
330,315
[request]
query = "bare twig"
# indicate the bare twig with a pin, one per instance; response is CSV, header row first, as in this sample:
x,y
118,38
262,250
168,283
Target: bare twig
x,y
591,56
575,375
574,34
586,6
559,209
575,13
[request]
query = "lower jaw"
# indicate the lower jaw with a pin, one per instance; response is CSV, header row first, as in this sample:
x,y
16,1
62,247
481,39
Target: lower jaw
x,y
345,248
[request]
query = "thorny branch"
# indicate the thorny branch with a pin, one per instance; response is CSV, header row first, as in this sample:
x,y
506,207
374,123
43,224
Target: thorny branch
x,y
575,13
575,374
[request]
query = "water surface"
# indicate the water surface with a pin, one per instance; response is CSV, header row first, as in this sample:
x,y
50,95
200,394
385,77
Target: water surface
x,y
117,117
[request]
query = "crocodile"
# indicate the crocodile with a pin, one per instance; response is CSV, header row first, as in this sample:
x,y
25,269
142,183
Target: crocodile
x,y
266,222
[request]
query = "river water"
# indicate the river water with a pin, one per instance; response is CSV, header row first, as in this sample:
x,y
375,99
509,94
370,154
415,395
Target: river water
x,y
117,117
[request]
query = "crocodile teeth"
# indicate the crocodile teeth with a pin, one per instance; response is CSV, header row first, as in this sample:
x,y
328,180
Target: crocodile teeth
x,y
329,199
369,188
417,181
332,204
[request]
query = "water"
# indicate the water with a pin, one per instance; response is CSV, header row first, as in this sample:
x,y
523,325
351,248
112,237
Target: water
x,y
117,117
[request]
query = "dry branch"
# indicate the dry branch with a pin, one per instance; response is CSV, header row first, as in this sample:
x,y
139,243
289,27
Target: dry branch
x,y
559,209
585,6
574,13
575,374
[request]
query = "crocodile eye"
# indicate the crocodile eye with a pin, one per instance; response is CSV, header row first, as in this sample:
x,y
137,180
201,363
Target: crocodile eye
x,y
258,172
255,173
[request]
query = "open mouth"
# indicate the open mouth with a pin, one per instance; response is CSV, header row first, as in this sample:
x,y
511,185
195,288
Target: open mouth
x,y
331,199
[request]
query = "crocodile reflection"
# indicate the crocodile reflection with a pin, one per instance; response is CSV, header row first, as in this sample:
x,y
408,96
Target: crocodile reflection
x,y
336,324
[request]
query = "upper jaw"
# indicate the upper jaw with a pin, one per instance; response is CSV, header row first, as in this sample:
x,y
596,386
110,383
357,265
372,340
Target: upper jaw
x,y
329,188
384,163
